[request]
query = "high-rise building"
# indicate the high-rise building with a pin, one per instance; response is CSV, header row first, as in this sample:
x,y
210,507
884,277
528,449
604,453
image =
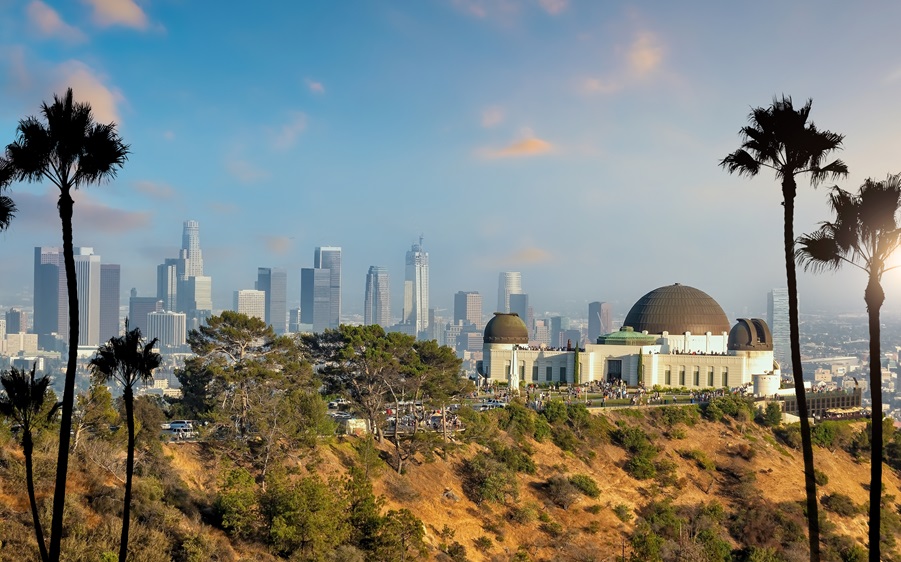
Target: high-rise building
x,y
777,318
377,301
508,283
167,283
519,303
51,302
274,283
190,245
468,308
109,300
50,295
294,322
87,275
139,308
16,321
600,321
315,298
416,289
168,327
558,325
329,257
251,302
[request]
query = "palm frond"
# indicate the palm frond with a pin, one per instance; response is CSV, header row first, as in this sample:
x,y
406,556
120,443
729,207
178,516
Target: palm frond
x,y
741,162
818,251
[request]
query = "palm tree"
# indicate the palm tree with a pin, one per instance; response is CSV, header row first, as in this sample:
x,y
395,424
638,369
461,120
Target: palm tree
x,y
781,138
127,360
24,405
864,234
70,150
7,208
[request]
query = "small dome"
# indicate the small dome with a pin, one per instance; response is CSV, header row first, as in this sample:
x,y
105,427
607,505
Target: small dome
x,y
750,335
627,336
506,328
677,309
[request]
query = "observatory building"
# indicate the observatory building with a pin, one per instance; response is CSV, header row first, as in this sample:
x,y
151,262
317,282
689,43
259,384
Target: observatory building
x,y
674,336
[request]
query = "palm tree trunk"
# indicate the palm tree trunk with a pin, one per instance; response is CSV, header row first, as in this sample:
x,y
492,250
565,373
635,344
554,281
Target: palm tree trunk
x,y
810,485
874,298
28,449
66,205
128,398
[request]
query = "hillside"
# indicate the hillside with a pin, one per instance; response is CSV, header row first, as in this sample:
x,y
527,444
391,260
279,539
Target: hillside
x,y
720,487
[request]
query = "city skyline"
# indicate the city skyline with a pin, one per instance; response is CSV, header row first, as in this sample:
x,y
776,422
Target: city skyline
x,y
617,113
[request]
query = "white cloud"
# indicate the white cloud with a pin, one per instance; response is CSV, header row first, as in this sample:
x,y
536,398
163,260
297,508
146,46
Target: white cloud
x,y
553,7
87,86
47,23
529,145
492,116
285,137
315,87
645,54
107,13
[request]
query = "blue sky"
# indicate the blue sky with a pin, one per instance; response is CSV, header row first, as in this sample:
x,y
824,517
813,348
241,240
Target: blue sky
x,y
576,141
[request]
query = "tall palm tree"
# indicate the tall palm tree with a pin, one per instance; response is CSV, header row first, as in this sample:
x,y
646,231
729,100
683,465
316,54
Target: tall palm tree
x,y
864,234
23,403
781,138
127,360
69,150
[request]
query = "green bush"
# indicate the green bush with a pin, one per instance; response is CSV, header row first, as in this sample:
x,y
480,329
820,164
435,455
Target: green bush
x,y
771,416
634,439
486,479
236,502
700,458
840,504
820,477
586,485
593,509
523,514
623,512
641,467
483,544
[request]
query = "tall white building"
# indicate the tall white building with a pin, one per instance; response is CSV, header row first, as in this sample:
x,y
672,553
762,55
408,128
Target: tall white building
x,y
190,249
508,283
251,302
416,289
377,303
329,257
777,318
87,275
169,327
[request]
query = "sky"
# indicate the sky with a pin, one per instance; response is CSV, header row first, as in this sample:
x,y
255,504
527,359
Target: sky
x,y
576,141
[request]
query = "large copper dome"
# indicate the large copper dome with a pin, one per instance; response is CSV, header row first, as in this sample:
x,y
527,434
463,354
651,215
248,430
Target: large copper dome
x,y
506,328
677,309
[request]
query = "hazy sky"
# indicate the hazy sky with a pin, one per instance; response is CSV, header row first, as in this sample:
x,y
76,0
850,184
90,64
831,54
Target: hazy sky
x,y
576,141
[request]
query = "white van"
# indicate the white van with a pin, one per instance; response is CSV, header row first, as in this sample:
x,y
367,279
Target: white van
x,y
181,424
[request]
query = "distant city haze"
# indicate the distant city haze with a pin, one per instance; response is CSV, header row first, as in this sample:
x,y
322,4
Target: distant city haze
x,y
576,143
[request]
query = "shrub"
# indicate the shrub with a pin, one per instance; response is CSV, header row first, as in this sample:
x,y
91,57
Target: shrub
x,y
561,491
666,473
623,512
820,477
771,416
790,435
633,439
840,504
483,544
586,485
701,458
593,509
485,479
640,467
523,514
516,459
552,528
236,501
745,451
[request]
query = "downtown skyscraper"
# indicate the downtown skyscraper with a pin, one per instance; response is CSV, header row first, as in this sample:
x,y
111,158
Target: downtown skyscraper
x,y
329,258
181,284
508,283
274,283
377,301
468,308
97,287
777,318
600,321
416,290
